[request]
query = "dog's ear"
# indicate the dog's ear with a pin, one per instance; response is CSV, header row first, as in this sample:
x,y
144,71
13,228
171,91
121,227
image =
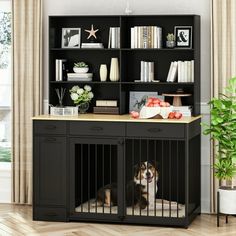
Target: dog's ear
x,y
153,163
136,170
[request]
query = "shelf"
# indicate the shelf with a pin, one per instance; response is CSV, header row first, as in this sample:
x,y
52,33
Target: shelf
x,y
84,82
122,49
157,83
84,49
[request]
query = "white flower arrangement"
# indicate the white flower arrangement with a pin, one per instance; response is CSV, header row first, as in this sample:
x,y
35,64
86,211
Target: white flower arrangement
x,y
81,95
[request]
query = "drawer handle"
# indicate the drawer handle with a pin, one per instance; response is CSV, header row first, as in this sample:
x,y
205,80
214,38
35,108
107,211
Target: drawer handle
x,y
50,139
96,128
154,130
51,214
51,127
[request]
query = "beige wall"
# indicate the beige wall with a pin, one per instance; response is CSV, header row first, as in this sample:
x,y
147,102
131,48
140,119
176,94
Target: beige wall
x,y
200,7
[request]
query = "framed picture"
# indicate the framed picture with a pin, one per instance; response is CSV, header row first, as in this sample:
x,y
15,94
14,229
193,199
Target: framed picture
x,y
183,36
138,99
71,37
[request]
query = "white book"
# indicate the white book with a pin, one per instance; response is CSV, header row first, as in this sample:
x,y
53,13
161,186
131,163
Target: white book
x,y
179,71
135,37
109,39
106,103
169,72
185,71
159,37
81,75
189,71
192,71
113,37
155,38
132,37
57,70
181,80
146,71
139,41
145,37
142,71
118,37
150,71
173,73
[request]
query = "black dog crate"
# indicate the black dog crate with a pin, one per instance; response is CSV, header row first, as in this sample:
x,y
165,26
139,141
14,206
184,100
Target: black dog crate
x,y
96,164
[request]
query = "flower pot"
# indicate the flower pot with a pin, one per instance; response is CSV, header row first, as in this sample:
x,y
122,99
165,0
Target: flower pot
x,y
170,44
114,70
83,107
227,200
80,69
103,72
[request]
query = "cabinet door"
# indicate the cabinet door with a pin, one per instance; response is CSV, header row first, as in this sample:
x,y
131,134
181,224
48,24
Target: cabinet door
x,y
49,171
96,177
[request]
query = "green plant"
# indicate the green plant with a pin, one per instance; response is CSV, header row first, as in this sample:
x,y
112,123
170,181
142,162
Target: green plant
x,y
170,37
80,64
5,154
81,95
222,129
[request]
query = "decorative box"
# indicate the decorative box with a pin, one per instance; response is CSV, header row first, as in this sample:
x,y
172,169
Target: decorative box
x,y
64,111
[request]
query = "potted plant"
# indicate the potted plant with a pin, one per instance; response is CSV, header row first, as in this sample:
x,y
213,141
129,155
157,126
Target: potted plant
x,y
170,43
81,97
222,129
80,67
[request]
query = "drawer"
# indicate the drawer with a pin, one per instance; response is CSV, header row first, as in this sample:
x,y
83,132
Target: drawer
x,y
97,128
49,214
50,127
156,130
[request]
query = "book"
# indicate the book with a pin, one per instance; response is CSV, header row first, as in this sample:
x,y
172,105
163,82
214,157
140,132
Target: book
x,y
80,75
92,45
114,37
169,72
173,73
106,103
106,110
61,69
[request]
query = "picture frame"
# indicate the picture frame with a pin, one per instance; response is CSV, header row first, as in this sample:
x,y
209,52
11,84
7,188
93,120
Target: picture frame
x,y
71,37
183,36
137,99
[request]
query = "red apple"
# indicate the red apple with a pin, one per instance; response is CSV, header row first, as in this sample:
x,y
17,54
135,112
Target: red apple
x,y
167,104
171,115
134,114
178,115
162,104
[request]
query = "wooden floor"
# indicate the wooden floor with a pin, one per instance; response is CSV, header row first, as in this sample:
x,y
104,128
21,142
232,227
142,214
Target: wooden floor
x,y
17,220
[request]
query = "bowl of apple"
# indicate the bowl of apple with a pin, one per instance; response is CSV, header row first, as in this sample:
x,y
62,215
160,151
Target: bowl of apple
x,y
155,108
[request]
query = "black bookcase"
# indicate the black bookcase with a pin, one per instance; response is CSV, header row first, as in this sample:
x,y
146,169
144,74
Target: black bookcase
x,y
129,59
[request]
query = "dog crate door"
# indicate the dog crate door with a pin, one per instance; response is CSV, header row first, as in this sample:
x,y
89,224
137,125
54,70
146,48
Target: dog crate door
x,y
155,177
94,180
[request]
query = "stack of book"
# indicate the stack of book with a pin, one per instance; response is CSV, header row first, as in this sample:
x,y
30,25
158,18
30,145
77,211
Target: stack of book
x,y
114,37
61,69
92,45
185,110
183,70
146,37
106,107
147,71
79,76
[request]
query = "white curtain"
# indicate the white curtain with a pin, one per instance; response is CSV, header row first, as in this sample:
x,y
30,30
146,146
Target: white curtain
x,y
27,92
223,60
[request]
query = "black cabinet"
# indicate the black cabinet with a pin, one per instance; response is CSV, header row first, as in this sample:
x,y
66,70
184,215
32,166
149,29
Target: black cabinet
x,y
49,172
76,168
129,58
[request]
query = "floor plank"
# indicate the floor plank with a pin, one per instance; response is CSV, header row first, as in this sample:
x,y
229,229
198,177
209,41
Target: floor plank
x,y
16,220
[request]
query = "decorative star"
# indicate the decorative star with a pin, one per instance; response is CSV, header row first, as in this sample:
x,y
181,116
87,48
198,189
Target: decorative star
x,y
92,32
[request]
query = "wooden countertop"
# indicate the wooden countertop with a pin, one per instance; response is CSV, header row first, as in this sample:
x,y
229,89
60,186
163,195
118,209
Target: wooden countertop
x,y
114,118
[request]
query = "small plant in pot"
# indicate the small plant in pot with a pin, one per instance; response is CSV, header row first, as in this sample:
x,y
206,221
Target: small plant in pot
x,y
222,129
170,43
80,67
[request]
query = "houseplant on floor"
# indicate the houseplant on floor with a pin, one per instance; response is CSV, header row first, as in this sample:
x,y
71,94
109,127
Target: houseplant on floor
x,y
222,129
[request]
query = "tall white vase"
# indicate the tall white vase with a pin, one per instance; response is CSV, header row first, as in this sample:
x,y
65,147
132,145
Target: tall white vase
x,y
103,72
114,69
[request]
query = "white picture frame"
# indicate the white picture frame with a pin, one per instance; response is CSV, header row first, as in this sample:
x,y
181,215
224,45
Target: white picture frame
x,y
138,99
71,38
183,36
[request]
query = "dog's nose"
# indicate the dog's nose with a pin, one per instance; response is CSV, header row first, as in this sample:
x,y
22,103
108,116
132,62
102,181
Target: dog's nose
x,y
148,174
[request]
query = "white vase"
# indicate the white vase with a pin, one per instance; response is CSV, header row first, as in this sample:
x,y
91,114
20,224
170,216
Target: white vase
x,y
227,200
114,69
103,72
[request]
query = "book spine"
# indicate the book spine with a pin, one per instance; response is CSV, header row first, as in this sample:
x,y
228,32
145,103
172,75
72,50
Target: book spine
x,y
150,71
57,70
155,39
106,103
60,70
113,37
189,71
192,71
159,37
179,72
145,37
109,40
169,72
185,71
146,72
132,37
173,71
135,37
142,71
